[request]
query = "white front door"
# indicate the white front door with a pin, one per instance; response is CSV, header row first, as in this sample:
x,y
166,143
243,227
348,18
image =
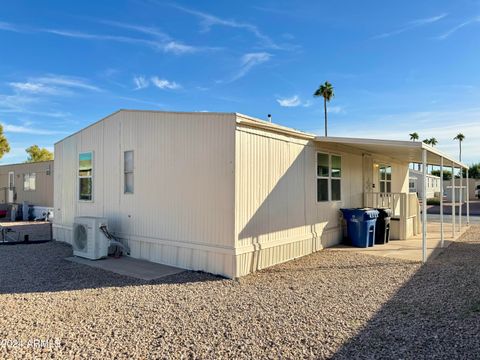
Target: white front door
x,y
367,173
11,186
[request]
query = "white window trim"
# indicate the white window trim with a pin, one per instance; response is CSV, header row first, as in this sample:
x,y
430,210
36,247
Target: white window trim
x,y
329,177
125,173
83,177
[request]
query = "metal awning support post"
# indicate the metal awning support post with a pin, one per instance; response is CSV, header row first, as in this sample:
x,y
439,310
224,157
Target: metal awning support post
x,y
468,199
424,206
441,203
461,201
453,200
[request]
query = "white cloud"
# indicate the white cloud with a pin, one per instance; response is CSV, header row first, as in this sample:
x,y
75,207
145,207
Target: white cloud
x,y
32,87
67,81
9,27
156,39
290,102
336,110
140,82
209,20
53,85
458,27
179,48
412,25
138,28
24,129
160,42
164,84
293,101
249,61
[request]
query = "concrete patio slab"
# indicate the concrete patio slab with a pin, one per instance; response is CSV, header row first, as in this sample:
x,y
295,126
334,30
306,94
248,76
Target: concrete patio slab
x,y
411,249
125,265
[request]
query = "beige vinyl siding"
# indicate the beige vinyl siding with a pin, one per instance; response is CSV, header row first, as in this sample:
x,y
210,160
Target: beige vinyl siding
x,y
182,210
217,192
43,193
278,217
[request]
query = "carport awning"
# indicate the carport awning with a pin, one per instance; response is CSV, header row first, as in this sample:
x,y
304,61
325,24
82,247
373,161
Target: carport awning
x,y
408,151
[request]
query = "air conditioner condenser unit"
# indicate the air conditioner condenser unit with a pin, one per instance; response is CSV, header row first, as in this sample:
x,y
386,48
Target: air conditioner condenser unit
x,y
88,239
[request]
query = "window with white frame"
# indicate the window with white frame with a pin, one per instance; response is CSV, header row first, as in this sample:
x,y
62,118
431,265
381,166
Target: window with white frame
x,y
128,172
329,177
385,177
85,176
29,181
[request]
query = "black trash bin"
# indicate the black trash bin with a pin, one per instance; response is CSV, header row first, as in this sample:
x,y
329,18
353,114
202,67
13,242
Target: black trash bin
x,y
382,228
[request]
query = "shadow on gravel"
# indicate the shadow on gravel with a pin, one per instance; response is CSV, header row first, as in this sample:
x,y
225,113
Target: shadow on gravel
x,y
435,315
43,268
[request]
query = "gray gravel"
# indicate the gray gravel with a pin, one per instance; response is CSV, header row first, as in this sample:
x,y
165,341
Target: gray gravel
x,y
329,304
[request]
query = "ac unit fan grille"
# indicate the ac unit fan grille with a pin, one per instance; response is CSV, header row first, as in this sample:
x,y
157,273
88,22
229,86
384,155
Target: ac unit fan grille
x,y
80,237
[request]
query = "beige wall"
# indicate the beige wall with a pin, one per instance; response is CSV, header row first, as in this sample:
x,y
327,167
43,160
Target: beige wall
x,y
43,193
181,212
277,216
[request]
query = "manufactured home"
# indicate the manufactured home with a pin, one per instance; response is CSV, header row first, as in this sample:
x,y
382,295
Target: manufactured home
x,y
471,184
30,182
226,193
432,184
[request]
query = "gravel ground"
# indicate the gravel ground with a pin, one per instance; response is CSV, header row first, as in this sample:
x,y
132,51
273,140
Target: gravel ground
x,y
330,304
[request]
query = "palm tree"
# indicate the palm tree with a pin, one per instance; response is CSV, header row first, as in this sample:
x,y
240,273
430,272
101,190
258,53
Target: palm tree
x,y
460,137
432,141
326,91
414,136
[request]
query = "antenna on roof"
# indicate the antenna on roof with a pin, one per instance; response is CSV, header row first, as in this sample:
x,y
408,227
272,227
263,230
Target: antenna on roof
x,y
269,116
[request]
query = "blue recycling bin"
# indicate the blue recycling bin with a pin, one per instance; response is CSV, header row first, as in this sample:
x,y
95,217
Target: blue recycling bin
x,y
360,226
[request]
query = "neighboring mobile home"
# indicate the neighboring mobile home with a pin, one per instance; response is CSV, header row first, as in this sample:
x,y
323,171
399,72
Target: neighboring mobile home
x,y
433,184
30,182
472,186
226,193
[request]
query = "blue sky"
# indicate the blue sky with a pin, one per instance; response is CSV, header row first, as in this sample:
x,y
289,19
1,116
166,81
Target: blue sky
x,y
397,67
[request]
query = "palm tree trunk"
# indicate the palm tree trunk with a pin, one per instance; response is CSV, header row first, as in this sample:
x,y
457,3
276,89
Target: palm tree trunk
x,y
460,150
325,109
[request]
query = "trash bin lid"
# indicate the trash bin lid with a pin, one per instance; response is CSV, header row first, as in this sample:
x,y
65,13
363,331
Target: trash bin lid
x,y
360,213
384,212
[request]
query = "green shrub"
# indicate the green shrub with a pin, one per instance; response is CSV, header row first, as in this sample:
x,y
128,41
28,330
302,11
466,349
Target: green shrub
x,y
433,201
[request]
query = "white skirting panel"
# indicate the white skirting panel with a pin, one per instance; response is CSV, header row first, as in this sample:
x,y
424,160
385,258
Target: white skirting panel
x,y
218,261
211,260
62,233
266,255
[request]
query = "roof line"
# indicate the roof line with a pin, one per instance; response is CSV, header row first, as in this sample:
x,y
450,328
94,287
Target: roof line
x,y
86,127
267,125
26,163
151,111
403,143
